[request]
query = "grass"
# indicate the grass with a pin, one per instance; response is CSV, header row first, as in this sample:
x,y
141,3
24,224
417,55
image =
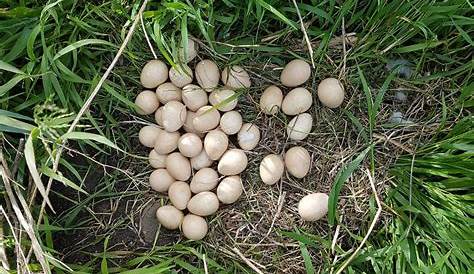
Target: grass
x,y
52,54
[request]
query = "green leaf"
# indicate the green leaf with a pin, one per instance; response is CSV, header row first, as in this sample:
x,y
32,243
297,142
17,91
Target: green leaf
x,y
79,44
60,178
10,68
419,46
14,123
308,264
10,84
276,13
90,136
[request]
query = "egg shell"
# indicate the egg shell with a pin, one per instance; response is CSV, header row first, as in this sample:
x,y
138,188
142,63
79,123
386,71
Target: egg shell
x,y
169,216
160,180
190,145
219,98
313,207
295,73
248,136
297,101
271,99
235,77
297,161
179,194
204,180
201,161
166,142
207,75
156,160
173,116
168,92
194,227
331,92
231,122
271,169
148,135
300,126
203,204
230,189
146,102
233,162
188,124
159,116
206,119
194,97
215,143
153,74
178,166
181,76
191,53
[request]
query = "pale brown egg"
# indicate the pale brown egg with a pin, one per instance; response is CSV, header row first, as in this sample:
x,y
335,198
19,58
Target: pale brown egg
x,y
331,92
190,54
313,207
159,116
160,180
300,126
297,101
271,169
168,92
169,216
156,160
188,124
166,142
229,189
231,122
190,145
179,194
181,75
233,162
148,135
295,73
207,75
147,102
215,143
178,166
194,227
204,180
153,74
297,161
201,161
248,136
203,204
173,116
206,119
271,99
235,77
223,99
194,97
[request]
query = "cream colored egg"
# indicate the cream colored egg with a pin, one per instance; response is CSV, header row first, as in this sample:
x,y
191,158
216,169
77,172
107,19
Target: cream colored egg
x,y
153,74
231,122
215,143
271,169
173,116
191,53
300,126
297,101
194,227
206,119
201,161
223,99
147,102
331,92
169,216
235,77
181,75
160,180
248,136
271,99
313,207
203,204
148,135
178,166
295,73
168,92
188,124
189,145
229,189
166,142
156,160
159,116
204,180
233,162
179,194
297,161
194,97
207,75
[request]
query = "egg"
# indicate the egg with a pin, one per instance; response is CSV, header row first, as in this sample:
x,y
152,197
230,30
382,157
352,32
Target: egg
x,y
207,75
215,143
188,124
159,116
231,122
156,160
201,161
248,136
191,53
173,116
160,180
271,169
148,135
189,145
166,142
179,194
297,161
194,227
271,99
235,77
204,180
146,102
194,97
233,162
169,216
223,99
331,92
295,73
168,92
178,166
229,189
203,204
300,126
313,207
297,101
181,76
153,74
207,118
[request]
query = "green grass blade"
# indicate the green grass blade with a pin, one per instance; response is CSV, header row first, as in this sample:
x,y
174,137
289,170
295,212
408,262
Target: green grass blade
x,y
278,14
60,178
14,123
79,44
10,68
90,136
